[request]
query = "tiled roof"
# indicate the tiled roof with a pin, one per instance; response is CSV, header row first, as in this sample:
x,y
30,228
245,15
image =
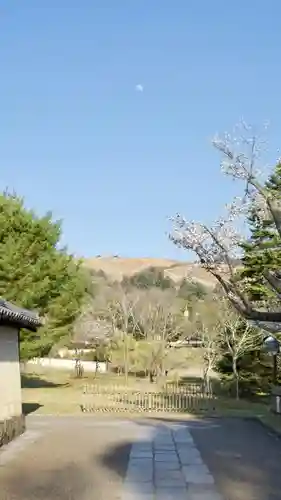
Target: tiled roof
x,y
10,313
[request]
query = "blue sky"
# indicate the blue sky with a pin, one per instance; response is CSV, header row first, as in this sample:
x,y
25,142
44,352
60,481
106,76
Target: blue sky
x,y
76,138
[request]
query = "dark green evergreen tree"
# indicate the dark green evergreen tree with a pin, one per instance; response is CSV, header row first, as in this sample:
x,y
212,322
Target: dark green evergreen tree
x,y
36,274
262,252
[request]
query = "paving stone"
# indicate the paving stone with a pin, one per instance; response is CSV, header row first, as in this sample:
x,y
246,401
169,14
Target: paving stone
x,y
185,445
163,441
163,433
166,466
203,492
201,468
167,444
183,439
168,493
135,487
140,462
141,454
188,451
137,496
164,446
141,475
191,460
168,439
170,483
142,445
165,449
166,457
168,474
190,456
197,474
181,431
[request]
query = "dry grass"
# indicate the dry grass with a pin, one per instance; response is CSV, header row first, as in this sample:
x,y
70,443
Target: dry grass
x,y
117,268
246,409
195,271
53,391
50,391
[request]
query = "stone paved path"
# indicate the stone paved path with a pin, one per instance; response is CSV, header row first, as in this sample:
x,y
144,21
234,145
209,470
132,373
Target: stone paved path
x,y
168,466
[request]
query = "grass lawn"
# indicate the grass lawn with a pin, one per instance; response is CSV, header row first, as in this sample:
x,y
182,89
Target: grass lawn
x,y
58,392
49,391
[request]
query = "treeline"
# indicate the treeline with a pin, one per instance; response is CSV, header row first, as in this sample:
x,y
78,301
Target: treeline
x,y
155,277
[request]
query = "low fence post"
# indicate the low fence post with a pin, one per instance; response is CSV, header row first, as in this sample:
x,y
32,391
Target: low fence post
x,y
170,399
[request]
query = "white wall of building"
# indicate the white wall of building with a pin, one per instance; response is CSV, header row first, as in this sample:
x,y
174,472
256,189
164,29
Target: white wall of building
x,y
64,352
68,364
10,382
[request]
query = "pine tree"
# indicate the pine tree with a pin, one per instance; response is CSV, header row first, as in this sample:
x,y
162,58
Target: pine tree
x,y
263,250
36,274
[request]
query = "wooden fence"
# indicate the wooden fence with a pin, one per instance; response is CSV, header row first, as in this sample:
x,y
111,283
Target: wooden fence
x,y
190,398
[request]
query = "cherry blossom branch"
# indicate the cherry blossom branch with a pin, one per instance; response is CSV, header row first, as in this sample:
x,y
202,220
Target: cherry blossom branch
x,y
217,246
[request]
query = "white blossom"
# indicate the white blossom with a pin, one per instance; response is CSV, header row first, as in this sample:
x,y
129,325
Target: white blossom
x,y
218,244
215,244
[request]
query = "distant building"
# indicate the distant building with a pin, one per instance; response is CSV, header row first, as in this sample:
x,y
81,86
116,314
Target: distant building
x,y
12,319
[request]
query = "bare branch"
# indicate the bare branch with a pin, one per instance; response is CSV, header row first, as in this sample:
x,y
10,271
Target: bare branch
x,y
218,247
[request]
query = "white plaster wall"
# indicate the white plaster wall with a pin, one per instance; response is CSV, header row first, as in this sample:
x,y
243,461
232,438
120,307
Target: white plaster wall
x,y
10,382
68,364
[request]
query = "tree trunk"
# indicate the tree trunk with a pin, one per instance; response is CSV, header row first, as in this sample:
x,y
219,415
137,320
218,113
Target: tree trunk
x,y
162,369
126,360
236,377
206,380
152,376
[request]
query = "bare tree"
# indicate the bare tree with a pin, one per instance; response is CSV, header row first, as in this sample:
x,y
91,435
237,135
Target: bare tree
x,y
160,322
118,308
217,246
207,322
239,338
210,356
123,353
91,329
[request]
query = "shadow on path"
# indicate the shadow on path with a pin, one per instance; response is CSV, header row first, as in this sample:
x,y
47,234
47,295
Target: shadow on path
x,y
36,382
28,408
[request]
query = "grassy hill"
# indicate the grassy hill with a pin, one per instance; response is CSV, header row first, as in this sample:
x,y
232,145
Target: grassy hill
x,y
117,267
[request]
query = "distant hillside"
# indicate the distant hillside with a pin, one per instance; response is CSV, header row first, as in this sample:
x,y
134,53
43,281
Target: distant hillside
x,y
117,267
